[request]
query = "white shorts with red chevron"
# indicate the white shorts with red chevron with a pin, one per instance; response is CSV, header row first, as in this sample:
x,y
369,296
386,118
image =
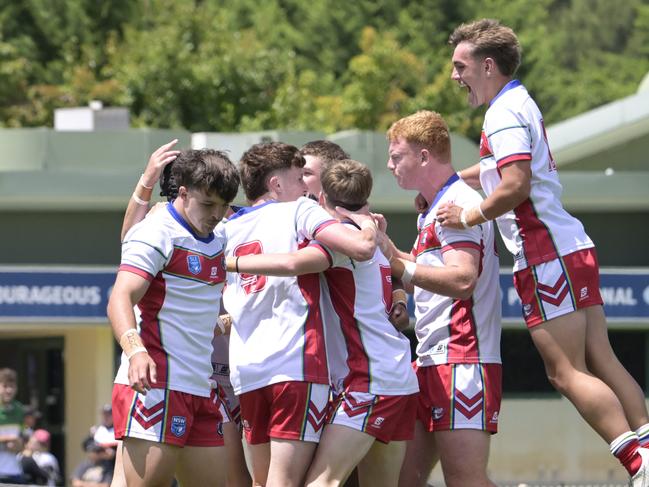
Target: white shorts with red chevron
x,y
459,396
387,418
291,410
558,287
171,417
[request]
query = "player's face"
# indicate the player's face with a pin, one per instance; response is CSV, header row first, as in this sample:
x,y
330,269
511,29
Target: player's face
x,y
312,170
404,161
7,392
290,184
469,73
203,211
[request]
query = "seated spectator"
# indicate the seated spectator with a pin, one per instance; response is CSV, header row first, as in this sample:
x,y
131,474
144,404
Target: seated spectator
x,y
104,432
39,465
30,421
97,469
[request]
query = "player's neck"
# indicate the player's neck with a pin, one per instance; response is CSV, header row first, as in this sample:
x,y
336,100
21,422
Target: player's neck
x,y
436,181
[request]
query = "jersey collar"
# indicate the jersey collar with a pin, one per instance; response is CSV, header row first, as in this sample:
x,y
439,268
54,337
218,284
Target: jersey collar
x,y
174,213
509,86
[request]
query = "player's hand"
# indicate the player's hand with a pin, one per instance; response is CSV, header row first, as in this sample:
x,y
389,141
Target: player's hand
x,y
358,216
162,156
381,221
141,372
421,205
448,215
399,316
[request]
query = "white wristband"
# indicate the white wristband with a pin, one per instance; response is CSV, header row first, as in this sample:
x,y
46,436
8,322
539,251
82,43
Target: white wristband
x,y
482,214
463,219
136,350
408,272
220,325
144,185
139,200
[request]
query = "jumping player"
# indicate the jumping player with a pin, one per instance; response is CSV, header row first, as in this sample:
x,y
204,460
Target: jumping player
x,y
457,309
369,360
556,273
277,351
166,411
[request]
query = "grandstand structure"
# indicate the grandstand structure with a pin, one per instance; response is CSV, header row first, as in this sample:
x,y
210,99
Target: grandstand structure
x,y
62,197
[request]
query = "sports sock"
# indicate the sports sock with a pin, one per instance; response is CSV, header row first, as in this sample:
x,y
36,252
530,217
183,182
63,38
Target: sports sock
x,y
643,435
625,449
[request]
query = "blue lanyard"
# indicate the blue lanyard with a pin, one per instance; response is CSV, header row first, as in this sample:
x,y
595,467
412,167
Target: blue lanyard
x,y
509,86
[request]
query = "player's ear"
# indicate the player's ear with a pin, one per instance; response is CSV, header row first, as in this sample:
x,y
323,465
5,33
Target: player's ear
x,y
322,199
274,184
182,192
489,66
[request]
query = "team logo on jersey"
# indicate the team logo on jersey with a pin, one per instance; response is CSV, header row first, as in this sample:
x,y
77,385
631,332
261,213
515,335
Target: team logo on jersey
x,y
214,272
194,264
527,309
178,425
439,349
437,413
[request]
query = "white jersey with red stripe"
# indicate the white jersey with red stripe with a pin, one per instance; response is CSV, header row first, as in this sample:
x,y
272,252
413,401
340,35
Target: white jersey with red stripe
x,y
452,330
539,229
180,308
365,352
277,333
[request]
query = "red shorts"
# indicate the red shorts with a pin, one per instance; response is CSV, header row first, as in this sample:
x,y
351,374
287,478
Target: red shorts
x,y
459,396
171,417
232,410
558,287
386,418
286,410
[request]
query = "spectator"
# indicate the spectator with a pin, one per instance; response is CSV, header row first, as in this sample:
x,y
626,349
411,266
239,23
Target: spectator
x,y
39,465
11,424
96,470
104,433
30,421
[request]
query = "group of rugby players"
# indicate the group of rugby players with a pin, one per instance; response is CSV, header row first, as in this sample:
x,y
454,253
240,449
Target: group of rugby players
x,y
288,303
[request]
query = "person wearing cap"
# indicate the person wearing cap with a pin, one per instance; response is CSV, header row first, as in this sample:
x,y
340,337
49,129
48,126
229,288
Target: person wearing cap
x,y
104,433
37,461
96,470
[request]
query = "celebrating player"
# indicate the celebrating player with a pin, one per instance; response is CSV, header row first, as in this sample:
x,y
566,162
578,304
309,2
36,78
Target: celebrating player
x,y
556,273
166,411
457,310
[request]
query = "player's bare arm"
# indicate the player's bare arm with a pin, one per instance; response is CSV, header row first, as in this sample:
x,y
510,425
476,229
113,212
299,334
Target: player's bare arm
x,y
138,205
471,176
359,246
308,260
129,288
456,279
513,189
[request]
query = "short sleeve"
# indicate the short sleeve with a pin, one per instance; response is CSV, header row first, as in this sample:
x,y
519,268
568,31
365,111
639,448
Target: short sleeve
x,y
509,136
145,250
311,218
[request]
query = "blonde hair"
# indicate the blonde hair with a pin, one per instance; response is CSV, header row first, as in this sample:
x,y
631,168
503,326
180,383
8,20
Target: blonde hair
x,y
490,38
425,128
347,183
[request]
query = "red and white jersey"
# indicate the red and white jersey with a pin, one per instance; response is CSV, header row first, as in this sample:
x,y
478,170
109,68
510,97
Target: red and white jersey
x,y
180,308
277,333
365,352
539,229
452,330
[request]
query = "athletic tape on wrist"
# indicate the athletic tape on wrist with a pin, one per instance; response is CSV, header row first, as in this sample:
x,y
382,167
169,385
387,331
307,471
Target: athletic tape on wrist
x,y
408,272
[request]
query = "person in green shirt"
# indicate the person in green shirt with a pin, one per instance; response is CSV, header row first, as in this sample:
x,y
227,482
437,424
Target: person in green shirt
x,y
12,416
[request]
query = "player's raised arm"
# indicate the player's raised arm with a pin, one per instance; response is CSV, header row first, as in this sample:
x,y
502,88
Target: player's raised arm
x,y
138,205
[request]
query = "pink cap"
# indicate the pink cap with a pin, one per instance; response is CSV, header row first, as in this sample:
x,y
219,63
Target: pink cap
x,y
42,436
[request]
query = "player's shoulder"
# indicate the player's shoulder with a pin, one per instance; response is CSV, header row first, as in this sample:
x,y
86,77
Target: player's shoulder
x,y
462,194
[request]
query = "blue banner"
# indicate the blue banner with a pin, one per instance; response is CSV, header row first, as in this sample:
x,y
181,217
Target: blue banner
x,y
62,294
69,294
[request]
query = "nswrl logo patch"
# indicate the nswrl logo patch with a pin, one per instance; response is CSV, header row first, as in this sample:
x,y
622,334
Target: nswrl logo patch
x,y
178,425
194,264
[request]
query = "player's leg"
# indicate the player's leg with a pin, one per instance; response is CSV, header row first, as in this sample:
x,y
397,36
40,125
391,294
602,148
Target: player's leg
x,y
420,458
255,416
289,462
259,462
340,449
382,464
602,361
561,342
237,475
201,466
464,454
148,463
119,480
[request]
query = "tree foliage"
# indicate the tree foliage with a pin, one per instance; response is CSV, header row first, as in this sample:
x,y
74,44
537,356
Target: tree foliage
x,y
231,65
